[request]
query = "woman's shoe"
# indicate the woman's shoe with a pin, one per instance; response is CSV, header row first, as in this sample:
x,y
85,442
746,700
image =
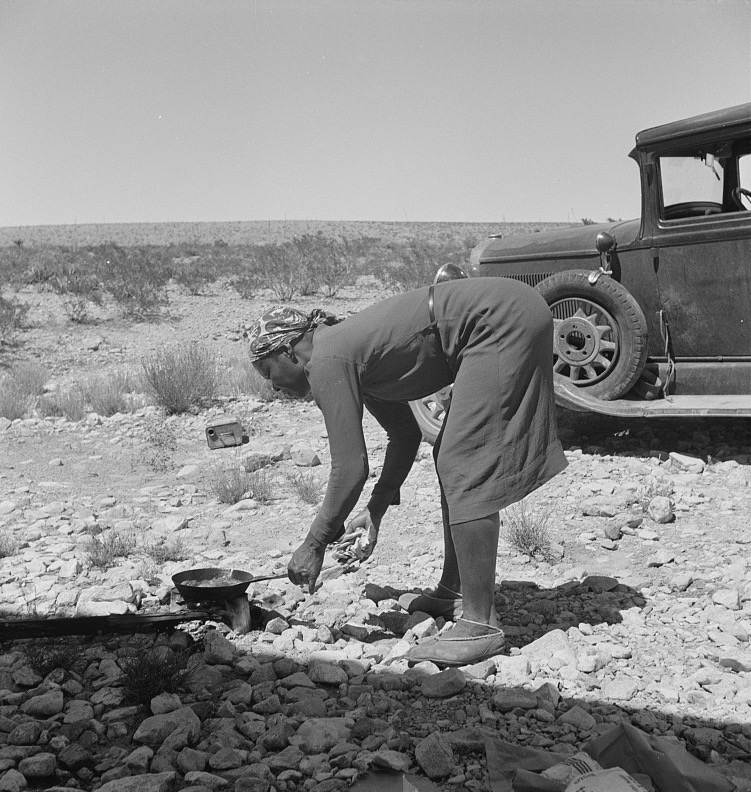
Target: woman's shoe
x,y
445,650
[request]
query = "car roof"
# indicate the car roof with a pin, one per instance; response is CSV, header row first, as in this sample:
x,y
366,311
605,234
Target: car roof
x,y
707,122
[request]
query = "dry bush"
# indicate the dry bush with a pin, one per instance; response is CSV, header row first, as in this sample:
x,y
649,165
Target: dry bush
x,y
150,571
46,656
20,390
232,484
414,264
241,378
181,377
67,403
135,277
228,484
161,440
149,674
8,544
326,264
261,486
12,318
79,290
278,267
652,488
525,527
306,486
107,394
104,549
31,377
15,402
163,549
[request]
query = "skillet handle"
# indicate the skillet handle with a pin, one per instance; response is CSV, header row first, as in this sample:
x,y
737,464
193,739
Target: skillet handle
x,y
278,576
281,575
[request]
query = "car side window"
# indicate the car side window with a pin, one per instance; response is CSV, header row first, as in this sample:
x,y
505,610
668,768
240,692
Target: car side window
x,y
692,186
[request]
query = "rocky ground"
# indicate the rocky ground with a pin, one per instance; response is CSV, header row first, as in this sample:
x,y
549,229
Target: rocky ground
x,y
641,612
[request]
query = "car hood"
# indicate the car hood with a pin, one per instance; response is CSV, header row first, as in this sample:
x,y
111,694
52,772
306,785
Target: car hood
x,y
576,242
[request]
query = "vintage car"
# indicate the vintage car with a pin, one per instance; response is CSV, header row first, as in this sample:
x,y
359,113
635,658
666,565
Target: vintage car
x,y
652,316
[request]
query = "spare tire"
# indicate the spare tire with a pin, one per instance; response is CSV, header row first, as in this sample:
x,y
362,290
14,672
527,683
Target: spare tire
x,y
600,340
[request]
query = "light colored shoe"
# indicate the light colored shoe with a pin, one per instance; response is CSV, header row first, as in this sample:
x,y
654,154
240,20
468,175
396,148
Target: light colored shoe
x,y
448,650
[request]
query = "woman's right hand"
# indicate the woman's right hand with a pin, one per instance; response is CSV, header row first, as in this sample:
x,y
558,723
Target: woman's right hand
x,y
305,565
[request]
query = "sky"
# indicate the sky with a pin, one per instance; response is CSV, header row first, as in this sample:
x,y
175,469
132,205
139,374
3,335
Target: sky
x,y
409,110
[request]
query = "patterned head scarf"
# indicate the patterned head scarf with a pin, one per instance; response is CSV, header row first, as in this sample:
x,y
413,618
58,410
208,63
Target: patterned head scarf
x,y
280,326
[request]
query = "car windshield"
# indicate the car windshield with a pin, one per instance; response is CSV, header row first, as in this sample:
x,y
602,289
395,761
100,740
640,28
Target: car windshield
x,y
691,180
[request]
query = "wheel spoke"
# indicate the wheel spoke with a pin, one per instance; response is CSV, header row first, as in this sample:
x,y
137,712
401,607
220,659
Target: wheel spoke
x,y
559,365
575,372
601,361
607,346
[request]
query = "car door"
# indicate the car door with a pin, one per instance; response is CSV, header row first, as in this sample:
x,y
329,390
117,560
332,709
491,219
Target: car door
x,y
702,256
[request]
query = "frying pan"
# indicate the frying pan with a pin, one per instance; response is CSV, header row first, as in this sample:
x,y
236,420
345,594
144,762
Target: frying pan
x,y
217,593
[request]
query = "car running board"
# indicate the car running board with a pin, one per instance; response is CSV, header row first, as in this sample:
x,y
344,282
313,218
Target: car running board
x,y
573,398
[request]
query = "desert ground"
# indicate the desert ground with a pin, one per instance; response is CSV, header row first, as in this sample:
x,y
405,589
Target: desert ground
x,y
635,611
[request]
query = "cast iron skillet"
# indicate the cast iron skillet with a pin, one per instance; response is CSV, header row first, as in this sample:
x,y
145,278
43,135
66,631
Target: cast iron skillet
x,y
217,593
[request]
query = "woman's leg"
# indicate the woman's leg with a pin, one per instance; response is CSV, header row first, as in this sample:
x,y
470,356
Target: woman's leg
x,y
450,583
476,547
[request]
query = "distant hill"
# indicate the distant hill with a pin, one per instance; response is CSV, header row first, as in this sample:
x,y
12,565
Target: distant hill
x,y
251,232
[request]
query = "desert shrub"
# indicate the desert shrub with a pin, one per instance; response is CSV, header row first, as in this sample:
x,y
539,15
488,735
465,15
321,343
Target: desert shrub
x,y
12,318
164,549
31,378
104,549
261,486
20,389
228,484
14,401
245,283
107,394
181,377
324,263
135,277
66,403
306,486
652,488
161,444
46,656
78,290
149,674
197,271
149,571
8,544
239,377
526,529
277,267
414,263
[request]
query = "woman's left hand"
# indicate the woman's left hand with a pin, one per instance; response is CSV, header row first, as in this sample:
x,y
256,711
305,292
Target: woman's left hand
x,y
360,537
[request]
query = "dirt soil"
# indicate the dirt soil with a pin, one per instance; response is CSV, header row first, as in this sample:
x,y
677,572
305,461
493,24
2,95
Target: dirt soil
x,y
662,506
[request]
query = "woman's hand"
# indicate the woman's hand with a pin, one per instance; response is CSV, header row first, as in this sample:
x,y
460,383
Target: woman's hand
x,y
305,565
360,536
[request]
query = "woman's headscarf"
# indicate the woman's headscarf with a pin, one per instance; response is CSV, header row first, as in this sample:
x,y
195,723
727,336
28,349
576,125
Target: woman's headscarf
x,y
280,326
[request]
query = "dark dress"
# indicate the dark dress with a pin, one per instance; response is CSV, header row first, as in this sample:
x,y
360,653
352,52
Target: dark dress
x,y
492,339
